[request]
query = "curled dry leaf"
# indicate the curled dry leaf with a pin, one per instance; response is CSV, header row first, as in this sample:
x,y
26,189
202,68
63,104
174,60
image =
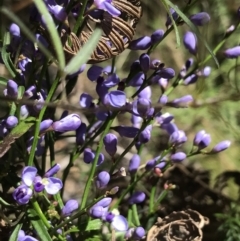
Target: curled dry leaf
x,y
178,226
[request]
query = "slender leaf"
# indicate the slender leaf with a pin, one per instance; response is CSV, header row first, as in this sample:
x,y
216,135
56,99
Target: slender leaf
x,y
14,235
83,55
173,23
56,41
26,31
193,27
94,225
3,81
38,225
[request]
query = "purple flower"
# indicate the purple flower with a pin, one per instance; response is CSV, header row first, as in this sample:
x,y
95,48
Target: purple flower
x,y
70,206
85,100
206,71
45,124
68,123
53,170
105,202
177,138
144,62
103,179
134,163
12,89
22,194
202,140
192,79
23,237
167,73
182,102
51,184
138,233
115,98
137,197
178,157
11,122
58,11
110,142
190,42
107,6
81,134
126,131
142,107
145,93
221,146
145,135
142,43
119,223
232,52
163,99
137,80
14,29
88,155
111,81
169,127
97,211
94,72
174,16
157,36
200,19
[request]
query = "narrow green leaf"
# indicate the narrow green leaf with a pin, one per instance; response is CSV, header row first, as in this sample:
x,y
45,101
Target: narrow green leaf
x,y
7,61
16,132
3,81
173,23
38,225
52,30
83,55
14,235
26,31
194,28
94,225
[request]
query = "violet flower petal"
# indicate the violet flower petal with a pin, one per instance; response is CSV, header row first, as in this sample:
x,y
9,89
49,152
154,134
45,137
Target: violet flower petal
x,y
22,194
137,197
53,170
68,123
11,122
200,19
28,175
134,163
69,207
81,134
221,146
190,42
178,157
85,100
94,72
119,223
53,186
103,179
126,131
110,143
142,43
157,36
115,98
232,52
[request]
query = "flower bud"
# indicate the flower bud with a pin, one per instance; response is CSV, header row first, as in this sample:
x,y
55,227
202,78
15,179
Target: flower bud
x,y
68,123
103,179
163,100
110,142
138,233
145,135
11,122
200,19
88,155
137,80
111,81
126,131
182,102
134,163
144,62
167,73
206,71
177,138
202,140
94,72
192,79
44,125
178,157
85,100
221,146
145,93
53,170
137,197
174,16
190,42
70,206
115,98
232,52
105,202
12,89
14,29
157,36
142,43
97,211
24,112
81,134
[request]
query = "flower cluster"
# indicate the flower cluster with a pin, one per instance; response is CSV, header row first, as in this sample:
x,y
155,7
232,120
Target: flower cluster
x,y
30,130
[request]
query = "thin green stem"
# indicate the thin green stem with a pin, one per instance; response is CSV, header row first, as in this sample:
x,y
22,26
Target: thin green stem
x,y
40,117
135,215
109,122
80,18
151,200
